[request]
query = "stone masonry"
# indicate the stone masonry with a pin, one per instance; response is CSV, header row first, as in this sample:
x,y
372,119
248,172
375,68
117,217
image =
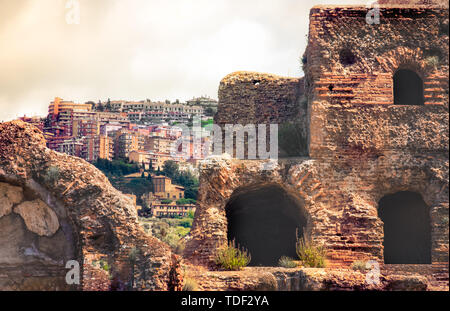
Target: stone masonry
x,y
362,147
55,208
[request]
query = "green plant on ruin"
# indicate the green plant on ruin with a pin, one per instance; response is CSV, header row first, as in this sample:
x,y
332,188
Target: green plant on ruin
x,y
287,262
304,62
102,264
359,265
292,139
310,254
432,61
190,285
52,175
232,257
186,222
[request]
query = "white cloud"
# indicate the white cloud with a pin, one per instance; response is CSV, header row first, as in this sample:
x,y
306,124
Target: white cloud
x,y
137,49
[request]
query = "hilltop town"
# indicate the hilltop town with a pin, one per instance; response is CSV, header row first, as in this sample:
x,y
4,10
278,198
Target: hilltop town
x,y
131,142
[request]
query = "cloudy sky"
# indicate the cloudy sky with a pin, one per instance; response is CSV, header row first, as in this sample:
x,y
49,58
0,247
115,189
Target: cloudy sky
x,y
138,49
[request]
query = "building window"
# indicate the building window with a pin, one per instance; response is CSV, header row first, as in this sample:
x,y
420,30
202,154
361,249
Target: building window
x,y
408,88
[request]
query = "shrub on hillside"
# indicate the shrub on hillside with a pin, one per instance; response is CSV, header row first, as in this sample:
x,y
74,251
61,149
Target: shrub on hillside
x,y
186,201
186,222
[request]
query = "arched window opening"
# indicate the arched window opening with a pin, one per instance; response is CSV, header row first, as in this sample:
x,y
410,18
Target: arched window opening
x,y
264,220
408,88
407,229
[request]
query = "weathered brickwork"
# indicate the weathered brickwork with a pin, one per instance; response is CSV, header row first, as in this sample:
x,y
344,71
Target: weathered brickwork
x,y
362,147
256,98
379,147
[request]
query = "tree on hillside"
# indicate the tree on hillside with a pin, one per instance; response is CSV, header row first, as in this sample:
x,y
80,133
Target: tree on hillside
x,y
209,112
170,169
91,103
158,172
100,106
108,105
151,166
191,193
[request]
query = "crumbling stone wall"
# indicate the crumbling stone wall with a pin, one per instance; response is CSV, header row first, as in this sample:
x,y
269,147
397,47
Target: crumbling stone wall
x,y
362,147
354,126
358,96
259,98
55,208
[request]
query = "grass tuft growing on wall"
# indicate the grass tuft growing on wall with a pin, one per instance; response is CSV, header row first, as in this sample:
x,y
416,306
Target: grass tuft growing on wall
x,y
287,262
190,285
309,253
232,257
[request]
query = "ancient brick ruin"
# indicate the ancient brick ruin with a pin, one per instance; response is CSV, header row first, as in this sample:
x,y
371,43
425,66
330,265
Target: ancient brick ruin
x,y
373,175
376,150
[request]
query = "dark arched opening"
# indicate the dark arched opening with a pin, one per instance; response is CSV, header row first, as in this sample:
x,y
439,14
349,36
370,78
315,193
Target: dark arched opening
x,y
264,220
408,88
407,229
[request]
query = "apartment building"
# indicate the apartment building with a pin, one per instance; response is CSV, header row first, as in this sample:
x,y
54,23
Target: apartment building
x,y
171,210
203,101
159,144
59,105
81,128
97,147
71,146
126,142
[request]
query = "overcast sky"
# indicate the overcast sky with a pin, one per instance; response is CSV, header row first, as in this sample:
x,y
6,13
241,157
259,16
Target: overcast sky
x,y
138,49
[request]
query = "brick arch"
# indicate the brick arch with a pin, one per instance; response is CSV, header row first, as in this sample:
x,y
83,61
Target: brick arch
x,y
405,58
218,184
265,218
407,224
408,87
416,60
434,192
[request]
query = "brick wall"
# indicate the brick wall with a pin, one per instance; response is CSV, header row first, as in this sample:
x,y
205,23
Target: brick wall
x,y
362,147
252,97
351,104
